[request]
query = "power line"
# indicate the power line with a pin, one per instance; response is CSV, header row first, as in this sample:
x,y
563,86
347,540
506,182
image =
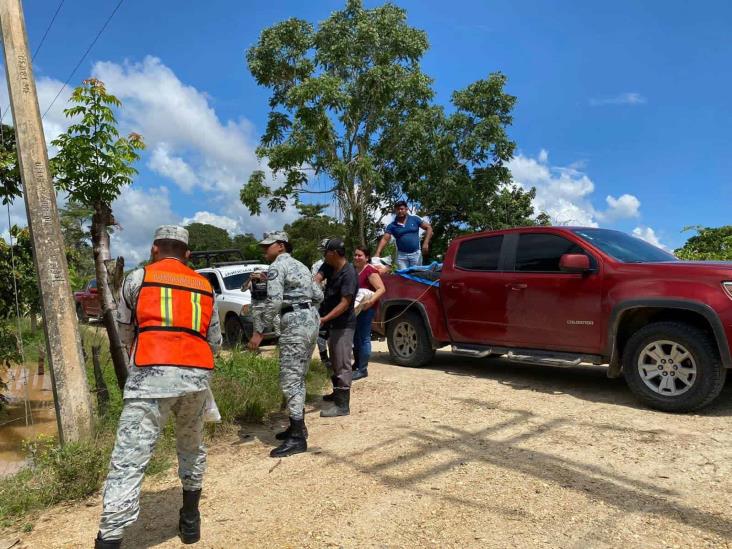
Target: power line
x,y
48,28
83,57
3,112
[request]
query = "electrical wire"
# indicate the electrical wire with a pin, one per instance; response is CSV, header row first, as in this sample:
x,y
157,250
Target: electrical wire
x,y
71,75
48,28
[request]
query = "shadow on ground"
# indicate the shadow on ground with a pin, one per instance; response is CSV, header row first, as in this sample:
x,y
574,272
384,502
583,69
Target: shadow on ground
x,y
158,521
459,446
585,382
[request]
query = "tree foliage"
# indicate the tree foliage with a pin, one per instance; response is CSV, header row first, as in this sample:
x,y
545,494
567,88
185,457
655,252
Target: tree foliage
x,y
335,92
350,101
93,164
709,244
202,237
10,184
23,276
309,229
75,219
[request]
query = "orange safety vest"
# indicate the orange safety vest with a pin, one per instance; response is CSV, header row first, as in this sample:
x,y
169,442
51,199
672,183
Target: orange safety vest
x,y
173,314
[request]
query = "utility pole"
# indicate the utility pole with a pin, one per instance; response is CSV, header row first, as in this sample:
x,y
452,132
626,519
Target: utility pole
x,y
63,344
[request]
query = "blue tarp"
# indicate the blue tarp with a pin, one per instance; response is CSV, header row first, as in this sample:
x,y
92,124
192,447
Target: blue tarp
x,y
410,273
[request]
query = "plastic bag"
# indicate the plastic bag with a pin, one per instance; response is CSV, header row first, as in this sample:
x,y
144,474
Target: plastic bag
x,y
210,410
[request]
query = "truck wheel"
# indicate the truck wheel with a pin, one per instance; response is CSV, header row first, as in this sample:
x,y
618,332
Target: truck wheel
x,y
673,367
233,331
408,340
81,315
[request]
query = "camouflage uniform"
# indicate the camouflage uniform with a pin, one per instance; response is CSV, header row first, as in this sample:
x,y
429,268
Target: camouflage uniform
x,y
289,283
150,394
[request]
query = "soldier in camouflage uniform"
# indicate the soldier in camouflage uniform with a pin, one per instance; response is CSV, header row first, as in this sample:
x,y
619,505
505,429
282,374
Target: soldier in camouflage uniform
x,y
150,394
292,294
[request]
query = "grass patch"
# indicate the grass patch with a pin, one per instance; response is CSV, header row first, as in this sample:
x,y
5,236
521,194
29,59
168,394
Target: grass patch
x,y
246,388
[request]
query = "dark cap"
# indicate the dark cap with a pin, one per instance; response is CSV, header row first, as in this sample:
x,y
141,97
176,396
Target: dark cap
x,y
336,245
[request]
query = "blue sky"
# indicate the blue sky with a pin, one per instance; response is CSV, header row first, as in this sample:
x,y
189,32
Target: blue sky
x,y
622,117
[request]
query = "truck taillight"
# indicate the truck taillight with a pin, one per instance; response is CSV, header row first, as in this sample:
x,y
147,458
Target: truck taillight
x,y
727,288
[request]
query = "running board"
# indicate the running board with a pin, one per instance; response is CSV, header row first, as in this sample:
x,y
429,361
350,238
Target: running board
x,y
527,356
546,360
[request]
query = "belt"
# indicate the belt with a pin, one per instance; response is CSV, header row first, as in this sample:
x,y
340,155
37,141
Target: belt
x,y
293,307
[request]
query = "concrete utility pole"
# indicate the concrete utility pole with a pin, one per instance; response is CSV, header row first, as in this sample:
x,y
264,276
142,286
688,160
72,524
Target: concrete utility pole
x,y
63,344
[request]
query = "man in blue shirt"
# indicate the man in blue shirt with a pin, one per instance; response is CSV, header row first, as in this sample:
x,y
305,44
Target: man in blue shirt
x,y
405,229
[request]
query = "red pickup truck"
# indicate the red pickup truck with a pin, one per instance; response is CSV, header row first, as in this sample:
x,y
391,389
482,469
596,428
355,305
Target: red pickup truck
x,y
564,296
87,302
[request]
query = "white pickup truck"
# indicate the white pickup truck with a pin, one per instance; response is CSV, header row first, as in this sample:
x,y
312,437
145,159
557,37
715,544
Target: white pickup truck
x,y
233,304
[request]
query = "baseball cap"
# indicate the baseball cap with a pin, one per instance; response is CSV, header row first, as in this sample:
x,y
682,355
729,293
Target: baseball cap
x,y
323,244
335,245
274,236
171,232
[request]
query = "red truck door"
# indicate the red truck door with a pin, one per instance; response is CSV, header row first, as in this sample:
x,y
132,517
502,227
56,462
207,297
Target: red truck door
x,y
473,292
92,304
550,309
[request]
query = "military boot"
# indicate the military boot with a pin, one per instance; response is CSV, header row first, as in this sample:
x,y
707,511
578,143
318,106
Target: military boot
x,y
189,525
330,397
284,435
295,443
100,543
340,405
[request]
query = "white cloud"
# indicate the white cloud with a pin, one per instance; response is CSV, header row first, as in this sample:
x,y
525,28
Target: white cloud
x,y
139,212
565,193
626,206
220,221
649,235
173,167
628,98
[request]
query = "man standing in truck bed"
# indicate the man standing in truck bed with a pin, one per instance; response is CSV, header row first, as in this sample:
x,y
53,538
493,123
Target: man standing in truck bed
x,y
405,229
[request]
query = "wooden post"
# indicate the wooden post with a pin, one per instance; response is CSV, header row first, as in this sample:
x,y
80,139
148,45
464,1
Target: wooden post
x,y
63,345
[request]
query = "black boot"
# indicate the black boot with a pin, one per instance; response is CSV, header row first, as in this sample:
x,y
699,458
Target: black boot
x,y
284,435
100,543
295,443
189,525
340,405
330,397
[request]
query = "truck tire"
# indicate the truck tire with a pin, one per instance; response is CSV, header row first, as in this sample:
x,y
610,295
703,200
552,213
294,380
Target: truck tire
x,y
408,341
233,331
673,367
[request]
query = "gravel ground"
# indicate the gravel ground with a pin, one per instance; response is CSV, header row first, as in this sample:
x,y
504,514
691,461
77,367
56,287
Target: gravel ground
x,y
464,453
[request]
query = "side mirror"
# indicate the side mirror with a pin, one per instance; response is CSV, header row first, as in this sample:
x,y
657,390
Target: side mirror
x,y
574,263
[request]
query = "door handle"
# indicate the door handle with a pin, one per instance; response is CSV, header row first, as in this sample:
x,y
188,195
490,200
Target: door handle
x,y
517,286
455,285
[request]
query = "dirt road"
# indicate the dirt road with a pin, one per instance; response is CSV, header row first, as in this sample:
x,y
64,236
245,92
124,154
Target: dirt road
x,y
462,454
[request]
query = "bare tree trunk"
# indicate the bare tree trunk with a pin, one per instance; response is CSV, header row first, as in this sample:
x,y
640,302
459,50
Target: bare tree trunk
x,y
102,219
101,385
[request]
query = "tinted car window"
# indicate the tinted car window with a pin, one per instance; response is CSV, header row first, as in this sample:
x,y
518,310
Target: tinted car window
x,y
480,254
539,252
624,247
92,284
235,282
214,281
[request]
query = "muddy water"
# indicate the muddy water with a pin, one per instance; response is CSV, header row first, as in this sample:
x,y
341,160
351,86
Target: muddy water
x,y
20,421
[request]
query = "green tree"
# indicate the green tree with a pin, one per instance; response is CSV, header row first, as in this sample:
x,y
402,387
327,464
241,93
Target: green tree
x,y
93,164
709,244
309,229
248,244
454,167
22,277
10,185
335,92
75,219
203,237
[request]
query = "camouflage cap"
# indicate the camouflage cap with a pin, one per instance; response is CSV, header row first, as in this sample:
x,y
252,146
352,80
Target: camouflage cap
x,y
171,232
274,236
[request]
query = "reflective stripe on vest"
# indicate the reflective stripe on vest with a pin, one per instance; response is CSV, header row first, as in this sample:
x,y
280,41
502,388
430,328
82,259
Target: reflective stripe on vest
x,y
173,314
